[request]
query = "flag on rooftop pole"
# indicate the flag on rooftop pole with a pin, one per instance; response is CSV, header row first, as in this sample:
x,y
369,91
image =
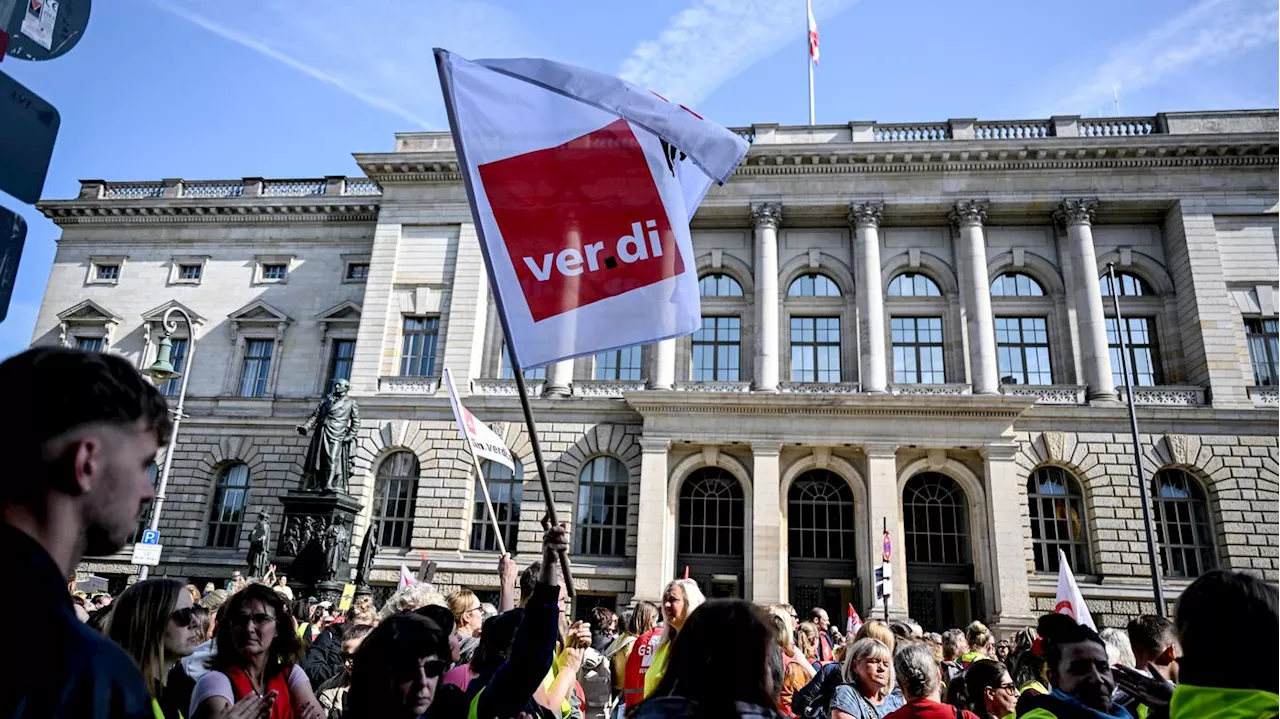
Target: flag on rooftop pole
x,y
1069,600
813,54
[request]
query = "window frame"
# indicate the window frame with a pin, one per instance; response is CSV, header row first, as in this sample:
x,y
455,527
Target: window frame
x,y
816,346
264,378
177,262
739,515
395,530
814,276
1152,346
587,529
960,540
1200,523
598,368
800,521
888,290
1014,276
716,344
262,262
178,357
1022,346
741,293
82,339
96,265
215,528
505,370
1076,547
335,358
431,332
1269,341
481,527
941,346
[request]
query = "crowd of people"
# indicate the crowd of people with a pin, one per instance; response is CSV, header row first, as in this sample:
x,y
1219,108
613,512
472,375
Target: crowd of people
x,y
165,650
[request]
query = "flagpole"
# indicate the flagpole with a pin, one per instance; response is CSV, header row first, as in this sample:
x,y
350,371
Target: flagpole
x,y
808,56
484,488
1137,451
446,84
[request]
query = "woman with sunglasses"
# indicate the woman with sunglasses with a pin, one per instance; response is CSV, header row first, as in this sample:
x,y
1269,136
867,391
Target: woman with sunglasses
x,y
397,669
152,622
254,674
991,690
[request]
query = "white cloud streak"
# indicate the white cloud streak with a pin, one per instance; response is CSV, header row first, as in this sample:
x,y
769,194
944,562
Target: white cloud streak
x,y
1209,31
711,42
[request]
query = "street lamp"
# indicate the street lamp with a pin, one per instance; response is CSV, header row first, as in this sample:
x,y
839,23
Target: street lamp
x,y
162,370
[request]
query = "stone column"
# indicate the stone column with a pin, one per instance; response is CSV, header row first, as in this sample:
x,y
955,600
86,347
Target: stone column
x,y
765,219
869,290
664,373
975,295
1077,217
767,561
559,379
884,503
1008,570
655,548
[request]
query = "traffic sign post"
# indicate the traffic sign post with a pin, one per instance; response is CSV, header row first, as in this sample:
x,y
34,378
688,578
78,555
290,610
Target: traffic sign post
x,y
884,579
146,555
43,29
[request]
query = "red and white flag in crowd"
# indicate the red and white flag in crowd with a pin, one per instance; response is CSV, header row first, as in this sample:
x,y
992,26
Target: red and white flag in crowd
x,y
406,578
853,623
1069,600
582,186
813,34
483,441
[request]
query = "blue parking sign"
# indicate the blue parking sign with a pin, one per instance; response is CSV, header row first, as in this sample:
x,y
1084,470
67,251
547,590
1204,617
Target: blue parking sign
x,y
150,536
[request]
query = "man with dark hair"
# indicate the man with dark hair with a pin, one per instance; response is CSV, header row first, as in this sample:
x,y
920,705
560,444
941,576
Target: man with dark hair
x,y
86,430
1155,642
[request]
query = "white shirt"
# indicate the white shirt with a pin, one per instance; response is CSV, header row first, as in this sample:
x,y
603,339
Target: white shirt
x,y
217,684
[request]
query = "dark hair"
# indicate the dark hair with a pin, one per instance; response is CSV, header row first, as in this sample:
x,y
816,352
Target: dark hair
x,y
395,645
528,580
602,617
200,621
1149,634
285,649
91,387
1059,630
1029,667
726,653
981,675
442,616
643,618
1210,614
139,620
355,631
496,635
100,619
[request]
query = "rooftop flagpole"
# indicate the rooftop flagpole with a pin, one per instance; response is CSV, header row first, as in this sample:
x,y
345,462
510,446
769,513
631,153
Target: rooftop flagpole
x,y
810,31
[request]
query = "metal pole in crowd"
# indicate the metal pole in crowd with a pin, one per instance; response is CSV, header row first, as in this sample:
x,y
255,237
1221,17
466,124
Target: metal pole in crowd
x,y
1137,447
886,580
162,369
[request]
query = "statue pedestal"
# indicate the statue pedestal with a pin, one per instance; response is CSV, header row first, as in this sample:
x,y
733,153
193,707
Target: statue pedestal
x,y
302,551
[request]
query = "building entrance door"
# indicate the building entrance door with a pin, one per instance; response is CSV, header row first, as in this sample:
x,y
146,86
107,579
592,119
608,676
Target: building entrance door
x,y
822,562
710,527
941,592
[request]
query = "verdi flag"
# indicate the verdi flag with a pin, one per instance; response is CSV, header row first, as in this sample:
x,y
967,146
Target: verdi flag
x,y
406,578
582,186
1069,600
853,622
483,441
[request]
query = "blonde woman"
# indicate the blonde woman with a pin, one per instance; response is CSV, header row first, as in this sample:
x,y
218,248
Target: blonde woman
x,y
868,689
791,653
679,600
794,676
152,622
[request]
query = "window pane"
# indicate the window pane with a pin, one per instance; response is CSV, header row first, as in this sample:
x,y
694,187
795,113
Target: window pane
x,y
256,368
89,344
418,354
395,496
813,285
910,284
230,496
602,507
178,357
343,354
719,285
1143,352
505,371
716,349
623,364
1182,524
815,349
917,350
1263,340
1022,350
505,492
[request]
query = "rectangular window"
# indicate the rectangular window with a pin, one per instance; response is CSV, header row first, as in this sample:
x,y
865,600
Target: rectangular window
x,y
717,349
256,368
418,353
274,271
1022,350
815,349
178,357
1263,353
89,344
108,273
190,273
1144,354
358,271
917,350
505,372
344,352
623,364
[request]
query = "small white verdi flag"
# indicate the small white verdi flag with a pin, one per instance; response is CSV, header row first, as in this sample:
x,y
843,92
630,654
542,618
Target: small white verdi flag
x,y
582,186
406,578
483,441
1069,601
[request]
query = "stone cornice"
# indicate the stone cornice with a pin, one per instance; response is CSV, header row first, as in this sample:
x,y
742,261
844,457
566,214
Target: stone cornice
x,y
888,406
164,211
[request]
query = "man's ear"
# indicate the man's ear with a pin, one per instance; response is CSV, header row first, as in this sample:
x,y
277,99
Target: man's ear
x,y
85,457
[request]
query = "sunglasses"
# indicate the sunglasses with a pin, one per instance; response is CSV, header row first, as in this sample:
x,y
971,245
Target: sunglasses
x,y
259,619
430,669
1010,687
182,617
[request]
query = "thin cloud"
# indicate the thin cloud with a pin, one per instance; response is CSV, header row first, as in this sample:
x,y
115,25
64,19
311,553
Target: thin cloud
x,y
1209,31
708,44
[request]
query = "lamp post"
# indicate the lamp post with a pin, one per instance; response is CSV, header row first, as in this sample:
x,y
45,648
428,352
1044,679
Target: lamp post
x,y
161,370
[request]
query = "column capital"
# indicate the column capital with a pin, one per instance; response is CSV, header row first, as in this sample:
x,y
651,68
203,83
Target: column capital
x,y
968,212
999,452
1075,212
766,215
654,444
881,451
865,214
766,449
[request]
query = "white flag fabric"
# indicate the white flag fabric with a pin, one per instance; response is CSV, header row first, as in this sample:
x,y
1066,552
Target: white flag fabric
x,y
1069,601
582,186
406,578
486,443
813,35
853,622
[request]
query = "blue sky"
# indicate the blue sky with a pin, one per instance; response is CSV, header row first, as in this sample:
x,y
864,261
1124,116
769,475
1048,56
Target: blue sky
x,y
215,89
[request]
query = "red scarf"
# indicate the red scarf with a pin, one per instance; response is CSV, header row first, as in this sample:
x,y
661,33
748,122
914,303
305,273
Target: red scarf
x,y
241,687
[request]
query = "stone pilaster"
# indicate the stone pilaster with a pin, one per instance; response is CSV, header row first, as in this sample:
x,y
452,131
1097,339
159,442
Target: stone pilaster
x,y
655,555
559,379
975,294
885,506
468,303
1077,217
1012,610
664,374
767,561
766,218
869,290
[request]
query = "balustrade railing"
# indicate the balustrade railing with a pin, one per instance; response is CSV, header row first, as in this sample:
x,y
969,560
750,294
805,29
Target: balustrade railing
x,y
212,189
912,132
1012,130
132,190
360,188
292,188
1117,127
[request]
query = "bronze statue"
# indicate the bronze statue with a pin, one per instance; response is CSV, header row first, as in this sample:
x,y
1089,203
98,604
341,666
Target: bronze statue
x,y
291,544
260,547
368,550
336,546
336,421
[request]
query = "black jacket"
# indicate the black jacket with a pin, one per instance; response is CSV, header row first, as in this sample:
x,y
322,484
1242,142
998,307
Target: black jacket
x,y
324,659
509,689
55,666
814,698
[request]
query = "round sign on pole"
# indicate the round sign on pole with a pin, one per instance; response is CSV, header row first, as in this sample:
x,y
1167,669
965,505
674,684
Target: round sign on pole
x,y
888,547
45,29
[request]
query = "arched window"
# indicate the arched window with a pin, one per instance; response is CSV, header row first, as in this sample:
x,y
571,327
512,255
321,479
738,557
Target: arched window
x,y
1015,284
144,519
1129,284
1057,520
719,285
813,285
394,496
936,519
602,507
1182,525
505,492
820,517
229,500
712,514
913,284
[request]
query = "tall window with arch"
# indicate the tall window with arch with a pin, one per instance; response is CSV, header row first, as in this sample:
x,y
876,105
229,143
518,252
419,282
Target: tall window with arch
x,y
1056,507
230,496
1142,348
395,495
1022,332
1183,531
915,329
820,517
719,285
814,333
935,518
602,507
505,492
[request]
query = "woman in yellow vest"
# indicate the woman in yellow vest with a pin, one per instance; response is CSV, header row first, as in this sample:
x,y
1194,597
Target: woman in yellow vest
x,y
679,599
152,622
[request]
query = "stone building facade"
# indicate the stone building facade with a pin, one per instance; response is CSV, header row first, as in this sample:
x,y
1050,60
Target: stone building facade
x,y
904,329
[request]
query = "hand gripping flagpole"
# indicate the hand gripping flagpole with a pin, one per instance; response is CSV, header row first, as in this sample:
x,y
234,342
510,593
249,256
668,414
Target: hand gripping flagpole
x,y
446,84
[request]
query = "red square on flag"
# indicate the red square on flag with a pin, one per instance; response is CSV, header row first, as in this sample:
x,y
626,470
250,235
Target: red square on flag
x,y
582,221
